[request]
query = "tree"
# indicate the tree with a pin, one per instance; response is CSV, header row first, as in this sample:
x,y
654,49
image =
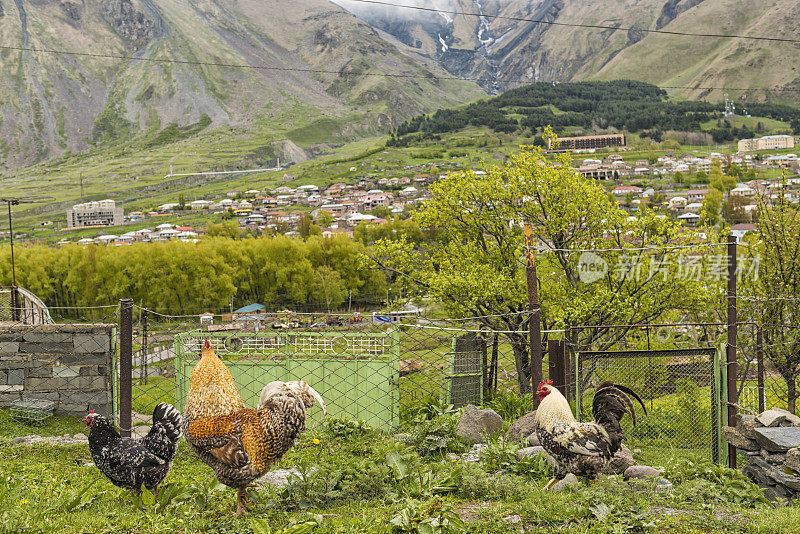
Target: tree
x,y
778,291
718,180
228,229
474,269
181,202
324,218
678,177
709,211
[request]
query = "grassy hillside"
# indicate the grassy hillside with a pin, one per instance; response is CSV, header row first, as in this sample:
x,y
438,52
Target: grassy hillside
x,y
140,67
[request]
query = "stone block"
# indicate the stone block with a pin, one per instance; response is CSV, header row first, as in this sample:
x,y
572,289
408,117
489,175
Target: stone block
x,y
91,343
102,370
522,427
529,452
66,371
746,425
6,399
641,471
47,337
88,370
85,359
772,418
476,424
735,438
621,461
793,459
40,372
76,410
15,377
71,383
14,362
8,389
40,348
778,439
564,483
97,397
3,376
11,347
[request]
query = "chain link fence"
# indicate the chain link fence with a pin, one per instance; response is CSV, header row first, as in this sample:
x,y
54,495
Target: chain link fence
x,y
675,369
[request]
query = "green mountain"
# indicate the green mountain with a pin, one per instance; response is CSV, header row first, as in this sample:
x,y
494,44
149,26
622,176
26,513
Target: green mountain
x,y
155,69
507,46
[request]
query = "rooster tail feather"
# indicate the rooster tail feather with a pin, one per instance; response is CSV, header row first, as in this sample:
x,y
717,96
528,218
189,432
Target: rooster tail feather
x,y
614,398
632,393
169,418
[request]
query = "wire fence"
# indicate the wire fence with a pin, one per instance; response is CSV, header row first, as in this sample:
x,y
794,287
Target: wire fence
x,y
382,368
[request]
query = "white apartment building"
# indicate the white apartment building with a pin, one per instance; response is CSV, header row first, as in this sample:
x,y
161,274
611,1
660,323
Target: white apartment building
x,y
98,213
768,142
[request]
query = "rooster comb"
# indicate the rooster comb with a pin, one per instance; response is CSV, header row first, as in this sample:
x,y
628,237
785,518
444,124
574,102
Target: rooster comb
x,y
546,383
206,345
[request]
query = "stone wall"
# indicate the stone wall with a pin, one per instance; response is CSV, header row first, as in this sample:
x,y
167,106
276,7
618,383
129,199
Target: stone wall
x,y
770,441
70,365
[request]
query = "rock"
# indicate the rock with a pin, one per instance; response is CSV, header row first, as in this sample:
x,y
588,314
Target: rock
x,y
474,454
81,437
773,459
564,483
746,425
476,424
452,457
279,478
793,459
663,485
521,428
735,438
756,474
778,439
772,418
637,451
772,494
641,471
776,474
529,452
622,460
791,419
533,440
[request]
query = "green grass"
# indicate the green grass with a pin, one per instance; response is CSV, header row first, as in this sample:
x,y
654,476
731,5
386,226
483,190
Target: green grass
x,y
48,488
157,389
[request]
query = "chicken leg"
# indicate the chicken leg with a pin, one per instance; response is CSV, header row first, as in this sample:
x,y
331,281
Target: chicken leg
x,y
241,501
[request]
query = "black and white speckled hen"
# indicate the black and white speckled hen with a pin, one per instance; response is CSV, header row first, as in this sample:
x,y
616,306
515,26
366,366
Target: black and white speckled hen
x,y
129,463
582,449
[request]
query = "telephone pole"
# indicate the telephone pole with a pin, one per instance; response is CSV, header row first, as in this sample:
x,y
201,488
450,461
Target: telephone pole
x,y
14,300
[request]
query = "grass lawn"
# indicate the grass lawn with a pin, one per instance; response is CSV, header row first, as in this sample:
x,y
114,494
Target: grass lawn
x,y
363,481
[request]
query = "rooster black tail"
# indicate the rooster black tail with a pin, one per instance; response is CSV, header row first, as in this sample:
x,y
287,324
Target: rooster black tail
x,y
170,419
613,399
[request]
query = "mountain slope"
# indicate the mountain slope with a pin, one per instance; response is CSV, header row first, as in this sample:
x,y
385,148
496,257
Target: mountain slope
x,y
503,51
180,62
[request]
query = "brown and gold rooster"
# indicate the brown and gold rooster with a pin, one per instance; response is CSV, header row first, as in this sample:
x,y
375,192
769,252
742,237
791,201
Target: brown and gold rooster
x,y
238,443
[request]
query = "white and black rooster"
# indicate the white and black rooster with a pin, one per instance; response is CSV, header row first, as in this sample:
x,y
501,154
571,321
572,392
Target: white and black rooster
x,y
582,449
130,463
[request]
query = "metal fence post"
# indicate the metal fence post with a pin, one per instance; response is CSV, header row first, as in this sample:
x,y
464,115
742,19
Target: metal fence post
x,y
534,321
125,365
760,362
730,349
557,365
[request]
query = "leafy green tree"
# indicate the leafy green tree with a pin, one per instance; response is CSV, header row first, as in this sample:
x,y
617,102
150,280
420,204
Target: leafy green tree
x,y
709,211
181,202
678,177
720,181
228,229
474,268
324,218
777,290
329,288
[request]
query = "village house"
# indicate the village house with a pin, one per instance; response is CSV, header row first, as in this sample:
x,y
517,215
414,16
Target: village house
x,y
695,195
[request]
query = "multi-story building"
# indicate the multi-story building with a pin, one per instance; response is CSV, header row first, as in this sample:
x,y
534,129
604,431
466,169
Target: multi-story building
x,y
98,213
589,141
768,142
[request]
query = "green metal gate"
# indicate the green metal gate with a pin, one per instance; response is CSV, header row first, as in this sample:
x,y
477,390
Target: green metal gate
x,y
355,373
683,390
